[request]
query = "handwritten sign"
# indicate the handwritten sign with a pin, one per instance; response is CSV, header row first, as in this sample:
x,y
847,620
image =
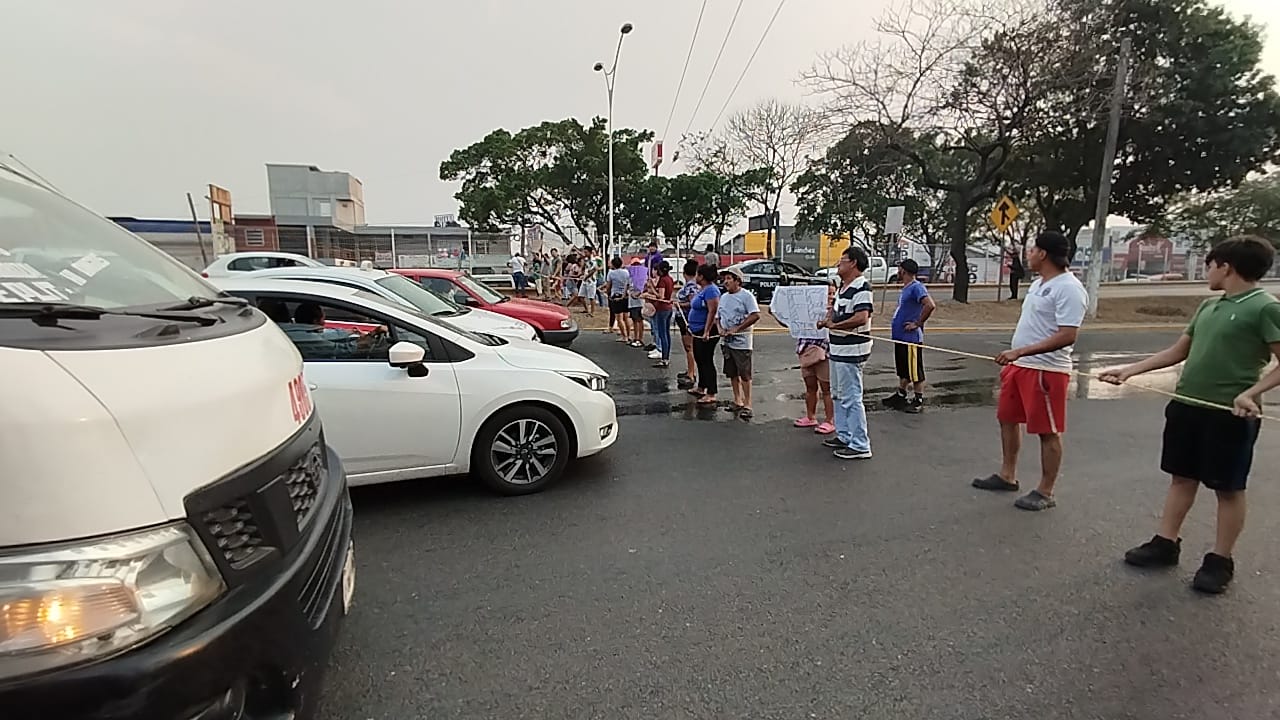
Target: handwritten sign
x,y
799,308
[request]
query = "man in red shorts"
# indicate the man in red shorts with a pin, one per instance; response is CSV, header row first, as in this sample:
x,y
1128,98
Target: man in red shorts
x,y
1033,383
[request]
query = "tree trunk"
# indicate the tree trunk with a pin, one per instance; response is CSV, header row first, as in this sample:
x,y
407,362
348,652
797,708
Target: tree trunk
x,y
958,233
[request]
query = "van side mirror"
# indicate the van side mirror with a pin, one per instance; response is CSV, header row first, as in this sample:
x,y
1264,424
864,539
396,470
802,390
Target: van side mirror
x,y
409,357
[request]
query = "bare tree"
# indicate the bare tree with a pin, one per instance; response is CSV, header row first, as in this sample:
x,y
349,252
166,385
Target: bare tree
x,y
949,84
771,142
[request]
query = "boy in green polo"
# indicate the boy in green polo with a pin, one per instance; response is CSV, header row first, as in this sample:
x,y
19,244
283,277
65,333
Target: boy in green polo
x,y
1226,347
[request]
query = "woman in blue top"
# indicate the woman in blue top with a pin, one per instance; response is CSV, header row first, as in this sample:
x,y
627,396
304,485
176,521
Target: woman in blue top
x,y
701,309
684,298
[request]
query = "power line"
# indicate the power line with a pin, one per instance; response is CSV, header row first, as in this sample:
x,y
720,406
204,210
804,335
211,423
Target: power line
x,y
714,65
685,71
749,61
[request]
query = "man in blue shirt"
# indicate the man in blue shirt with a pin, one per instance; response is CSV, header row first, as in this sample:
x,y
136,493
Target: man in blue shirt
x,y
914,308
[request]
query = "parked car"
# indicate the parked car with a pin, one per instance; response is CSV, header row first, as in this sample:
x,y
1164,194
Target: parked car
x,y
879,273
762,276
552,322
413,295
251,261
405,396
492,276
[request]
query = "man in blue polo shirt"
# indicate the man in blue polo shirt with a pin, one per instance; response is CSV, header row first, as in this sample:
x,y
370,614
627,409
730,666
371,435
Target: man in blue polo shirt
x,y
914,308
849,323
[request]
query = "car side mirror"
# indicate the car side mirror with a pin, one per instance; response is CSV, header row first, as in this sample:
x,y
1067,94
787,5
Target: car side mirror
x,y
409,357
471,301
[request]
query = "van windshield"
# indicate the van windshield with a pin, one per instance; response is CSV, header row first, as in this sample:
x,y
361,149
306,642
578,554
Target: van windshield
x,y
55,251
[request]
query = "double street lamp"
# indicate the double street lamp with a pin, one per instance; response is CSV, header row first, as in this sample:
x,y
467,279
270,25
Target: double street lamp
x,y
609,76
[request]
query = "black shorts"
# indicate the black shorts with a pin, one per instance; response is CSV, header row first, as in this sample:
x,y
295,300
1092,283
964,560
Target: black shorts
x,y
683,325
737,363
637,313
909,360
618,307
1210,446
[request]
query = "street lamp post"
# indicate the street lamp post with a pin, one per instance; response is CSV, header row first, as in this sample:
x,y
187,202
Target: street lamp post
x,y
609,77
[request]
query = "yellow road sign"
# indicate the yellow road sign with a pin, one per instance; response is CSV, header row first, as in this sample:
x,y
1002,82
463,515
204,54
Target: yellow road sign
x,y
1003,214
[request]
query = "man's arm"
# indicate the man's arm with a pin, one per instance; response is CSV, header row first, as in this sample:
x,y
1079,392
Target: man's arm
x,y
855,321
1168,357
926,300
1069,309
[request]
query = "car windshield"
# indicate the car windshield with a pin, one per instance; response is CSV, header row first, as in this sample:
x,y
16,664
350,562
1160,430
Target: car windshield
x,y
484,292
55,251
381,304
427,302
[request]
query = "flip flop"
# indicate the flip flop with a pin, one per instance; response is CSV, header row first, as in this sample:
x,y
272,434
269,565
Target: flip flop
x,y
745,413
704,400
805,422
825,428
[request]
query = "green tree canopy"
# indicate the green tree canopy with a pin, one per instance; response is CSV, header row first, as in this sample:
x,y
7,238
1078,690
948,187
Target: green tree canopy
x,y
1253,208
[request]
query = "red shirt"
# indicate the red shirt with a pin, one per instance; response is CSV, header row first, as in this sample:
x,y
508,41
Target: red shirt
x,y
667,289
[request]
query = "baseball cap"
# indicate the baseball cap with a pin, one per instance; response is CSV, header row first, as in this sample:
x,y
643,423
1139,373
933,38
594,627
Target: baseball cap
x,y
734,271
1055,244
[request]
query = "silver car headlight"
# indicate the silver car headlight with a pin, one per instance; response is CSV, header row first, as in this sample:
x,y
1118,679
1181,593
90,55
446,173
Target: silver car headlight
x,y
565,324
590,381
73,602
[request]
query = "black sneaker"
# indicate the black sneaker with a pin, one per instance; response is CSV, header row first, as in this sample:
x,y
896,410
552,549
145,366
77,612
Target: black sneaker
x,y
1214,574
914,406
1156,552
895,401
847,453
833,442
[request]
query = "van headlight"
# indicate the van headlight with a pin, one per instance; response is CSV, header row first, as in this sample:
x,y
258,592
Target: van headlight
x,y
590,381
73,602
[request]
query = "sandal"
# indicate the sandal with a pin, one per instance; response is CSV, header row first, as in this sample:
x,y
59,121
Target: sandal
x,y
732,407
805,422
707,400
825,428
745,413
996,483
696,392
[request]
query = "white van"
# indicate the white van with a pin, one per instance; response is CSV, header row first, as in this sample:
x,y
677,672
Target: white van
x,y
174,531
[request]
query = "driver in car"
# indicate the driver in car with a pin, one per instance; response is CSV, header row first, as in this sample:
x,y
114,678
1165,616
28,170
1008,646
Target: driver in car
x,y
314,340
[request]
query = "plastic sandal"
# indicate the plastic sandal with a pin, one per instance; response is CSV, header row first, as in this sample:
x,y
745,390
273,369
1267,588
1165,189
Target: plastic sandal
x,y
825,428
805,422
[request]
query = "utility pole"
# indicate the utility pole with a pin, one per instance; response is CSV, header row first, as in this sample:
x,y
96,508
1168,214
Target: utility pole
x,y
1108,169
196,223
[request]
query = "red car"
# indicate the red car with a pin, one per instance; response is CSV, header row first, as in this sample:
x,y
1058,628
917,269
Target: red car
x,y
553,322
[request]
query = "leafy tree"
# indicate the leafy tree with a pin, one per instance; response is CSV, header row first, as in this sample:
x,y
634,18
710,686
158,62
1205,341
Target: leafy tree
x,y
1251,209
850,190
736,183
1199,114
554,175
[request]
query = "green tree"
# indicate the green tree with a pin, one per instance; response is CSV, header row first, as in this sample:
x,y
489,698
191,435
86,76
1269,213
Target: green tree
x,y
554,175
1199,114
1251,209
851,188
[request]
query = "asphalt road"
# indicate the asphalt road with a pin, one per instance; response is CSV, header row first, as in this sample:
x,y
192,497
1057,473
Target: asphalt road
x,y
714,568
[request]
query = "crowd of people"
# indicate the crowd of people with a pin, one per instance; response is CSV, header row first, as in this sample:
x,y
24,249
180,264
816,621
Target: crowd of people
x,y
1210,429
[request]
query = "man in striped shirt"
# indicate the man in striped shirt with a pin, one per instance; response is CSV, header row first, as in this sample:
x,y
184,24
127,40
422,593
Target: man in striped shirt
x,y
849,324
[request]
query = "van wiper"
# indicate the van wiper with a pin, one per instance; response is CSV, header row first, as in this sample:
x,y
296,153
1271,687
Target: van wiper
x,y
48,314
196,302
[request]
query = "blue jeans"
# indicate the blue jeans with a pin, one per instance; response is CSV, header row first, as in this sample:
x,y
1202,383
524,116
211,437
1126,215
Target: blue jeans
x,y
851,414
661,325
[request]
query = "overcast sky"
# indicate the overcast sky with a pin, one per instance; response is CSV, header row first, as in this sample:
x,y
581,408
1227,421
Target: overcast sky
x,y
127,105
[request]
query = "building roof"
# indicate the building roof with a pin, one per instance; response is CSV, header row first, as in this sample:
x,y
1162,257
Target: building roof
x,y
148,225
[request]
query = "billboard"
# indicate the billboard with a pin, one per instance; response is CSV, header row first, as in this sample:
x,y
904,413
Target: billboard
x,y
220,221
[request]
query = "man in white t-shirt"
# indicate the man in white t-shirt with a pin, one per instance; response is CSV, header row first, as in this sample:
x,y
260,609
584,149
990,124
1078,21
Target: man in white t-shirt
x,y
1033,383
518,278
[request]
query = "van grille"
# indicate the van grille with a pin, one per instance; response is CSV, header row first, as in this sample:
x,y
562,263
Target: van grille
x,y
236,534
303,479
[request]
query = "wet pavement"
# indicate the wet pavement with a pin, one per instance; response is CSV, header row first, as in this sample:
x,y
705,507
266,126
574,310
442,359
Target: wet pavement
x,y
730,571
954,381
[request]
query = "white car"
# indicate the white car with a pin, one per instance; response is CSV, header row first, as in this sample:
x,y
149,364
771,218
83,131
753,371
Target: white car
x,y
400,289
406,396
241,262
877,274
